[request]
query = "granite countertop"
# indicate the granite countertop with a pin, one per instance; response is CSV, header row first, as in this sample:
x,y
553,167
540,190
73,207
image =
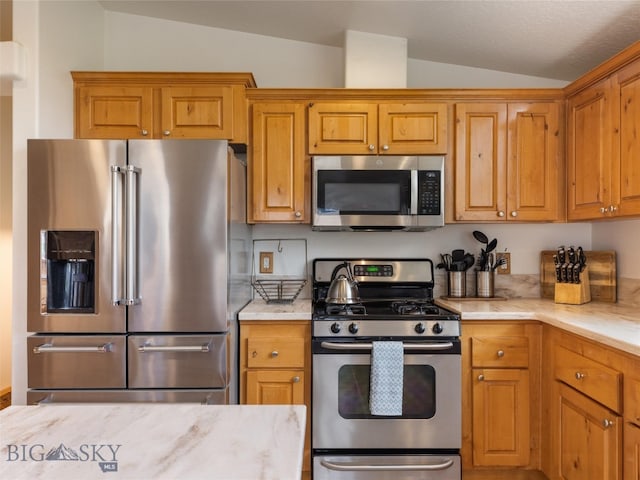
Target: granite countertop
x,y
611,324
152,441
258,309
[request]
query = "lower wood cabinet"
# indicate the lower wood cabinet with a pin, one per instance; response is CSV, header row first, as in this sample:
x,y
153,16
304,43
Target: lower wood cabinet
x,y
275,366
501,401
631,452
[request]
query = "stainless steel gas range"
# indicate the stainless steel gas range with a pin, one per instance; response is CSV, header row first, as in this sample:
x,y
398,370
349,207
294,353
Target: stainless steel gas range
x,y
393,323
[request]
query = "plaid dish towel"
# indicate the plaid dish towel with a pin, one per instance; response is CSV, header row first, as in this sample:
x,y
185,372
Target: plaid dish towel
x,y
387,365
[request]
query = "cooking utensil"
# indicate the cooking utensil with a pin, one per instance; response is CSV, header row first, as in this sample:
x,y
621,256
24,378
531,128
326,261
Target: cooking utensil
x,y
343,289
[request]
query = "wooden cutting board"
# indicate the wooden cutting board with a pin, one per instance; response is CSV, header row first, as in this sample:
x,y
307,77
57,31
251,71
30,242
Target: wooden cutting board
x,y
602,274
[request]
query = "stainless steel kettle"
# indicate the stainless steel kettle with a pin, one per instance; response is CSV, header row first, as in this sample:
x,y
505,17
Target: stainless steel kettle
x,y
343,289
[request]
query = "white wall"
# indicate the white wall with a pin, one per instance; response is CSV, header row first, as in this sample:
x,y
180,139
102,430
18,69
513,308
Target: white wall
x,y
623,237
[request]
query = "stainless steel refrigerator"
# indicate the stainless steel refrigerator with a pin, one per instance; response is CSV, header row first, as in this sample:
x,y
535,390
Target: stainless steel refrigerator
x,y
138,262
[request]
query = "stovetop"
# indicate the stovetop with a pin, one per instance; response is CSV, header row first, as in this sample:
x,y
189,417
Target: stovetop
x,y
396,300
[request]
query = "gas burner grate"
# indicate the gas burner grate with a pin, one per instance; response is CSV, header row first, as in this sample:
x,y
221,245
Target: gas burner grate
x,y
414,308
346,309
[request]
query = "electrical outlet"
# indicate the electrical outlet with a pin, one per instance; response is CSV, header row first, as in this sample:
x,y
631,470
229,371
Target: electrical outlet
x,y
506,267
266,262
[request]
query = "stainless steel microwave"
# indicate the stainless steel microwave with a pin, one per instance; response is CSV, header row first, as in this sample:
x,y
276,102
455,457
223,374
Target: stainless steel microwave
x,y
374,193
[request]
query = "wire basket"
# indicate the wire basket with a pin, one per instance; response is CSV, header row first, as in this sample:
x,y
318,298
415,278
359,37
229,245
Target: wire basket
x,y
289,269
278,291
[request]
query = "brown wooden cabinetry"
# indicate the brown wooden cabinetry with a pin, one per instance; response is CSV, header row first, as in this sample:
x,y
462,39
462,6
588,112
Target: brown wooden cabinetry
x,y
161,105
603,118
344,128
275,366
508,162
501,378
631,451
279,169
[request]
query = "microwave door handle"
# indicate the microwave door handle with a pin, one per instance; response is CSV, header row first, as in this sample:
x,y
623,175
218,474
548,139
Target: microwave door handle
x,y
414,192
364,467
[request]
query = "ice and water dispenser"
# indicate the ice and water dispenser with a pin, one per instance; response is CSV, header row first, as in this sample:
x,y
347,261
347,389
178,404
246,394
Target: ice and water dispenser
x,y
69,264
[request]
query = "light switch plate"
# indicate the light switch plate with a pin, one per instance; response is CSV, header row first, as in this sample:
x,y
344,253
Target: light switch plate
x,y
266,262
506,268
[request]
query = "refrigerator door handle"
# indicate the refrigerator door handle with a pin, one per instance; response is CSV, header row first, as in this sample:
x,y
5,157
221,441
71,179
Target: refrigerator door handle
x,y
131,235
117,272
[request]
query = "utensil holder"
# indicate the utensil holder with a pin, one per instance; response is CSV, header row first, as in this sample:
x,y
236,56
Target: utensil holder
x,y
485,283
574,293
457,284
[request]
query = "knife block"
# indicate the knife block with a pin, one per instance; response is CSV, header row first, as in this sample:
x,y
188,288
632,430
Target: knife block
x,y
574,293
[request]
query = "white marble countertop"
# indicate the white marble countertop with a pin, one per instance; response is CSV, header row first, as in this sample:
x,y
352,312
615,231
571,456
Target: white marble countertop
x,y
611,324
258,309
152,441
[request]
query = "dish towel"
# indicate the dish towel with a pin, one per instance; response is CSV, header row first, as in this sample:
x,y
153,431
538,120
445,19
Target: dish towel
x,y
387,365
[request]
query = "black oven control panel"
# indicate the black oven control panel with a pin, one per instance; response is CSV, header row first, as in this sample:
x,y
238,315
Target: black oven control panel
x,y
373,270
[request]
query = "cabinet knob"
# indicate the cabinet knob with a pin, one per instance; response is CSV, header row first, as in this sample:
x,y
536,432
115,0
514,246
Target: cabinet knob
x,y
295,379
385,147
166,133
607,423
580,375
298,214
514,214
274,354
500,213
612,208
480,378
603,210
254,354
500,353
372,147
144,132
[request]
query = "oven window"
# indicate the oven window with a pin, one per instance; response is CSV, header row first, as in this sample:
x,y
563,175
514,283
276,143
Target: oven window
x,y
364,192
418,394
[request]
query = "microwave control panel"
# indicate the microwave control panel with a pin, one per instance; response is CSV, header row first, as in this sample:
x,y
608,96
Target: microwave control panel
x,y
429,189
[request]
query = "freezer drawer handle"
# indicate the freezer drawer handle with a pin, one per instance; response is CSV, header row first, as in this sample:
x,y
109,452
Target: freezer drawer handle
x,y
49,348
174,348
363,467
369,346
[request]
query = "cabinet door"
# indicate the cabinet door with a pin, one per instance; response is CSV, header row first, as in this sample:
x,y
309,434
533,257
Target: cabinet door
x,y
626,179
275,387
412,128
631,452
343,128
279,173
480,161
501,413
114,112
534,192
589,148
590,439
197,112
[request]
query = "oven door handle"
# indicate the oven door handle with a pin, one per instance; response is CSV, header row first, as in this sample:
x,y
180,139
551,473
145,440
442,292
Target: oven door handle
x,y
369,346
363,467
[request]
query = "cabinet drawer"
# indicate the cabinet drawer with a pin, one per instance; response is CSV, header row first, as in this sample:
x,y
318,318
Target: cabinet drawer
x,y
595,380
503,352
275,352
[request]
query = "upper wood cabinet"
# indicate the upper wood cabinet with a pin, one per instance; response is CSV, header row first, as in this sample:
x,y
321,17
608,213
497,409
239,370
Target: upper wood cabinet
x,y
603,145
161,105
279,170
373,128
507,162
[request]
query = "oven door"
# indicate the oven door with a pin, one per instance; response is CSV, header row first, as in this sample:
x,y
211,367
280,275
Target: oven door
x,y
431,417
386,467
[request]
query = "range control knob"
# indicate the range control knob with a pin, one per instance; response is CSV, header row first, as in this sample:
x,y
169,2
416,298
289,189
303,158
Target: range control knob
x,y
335,327
419,328
437,328
353,328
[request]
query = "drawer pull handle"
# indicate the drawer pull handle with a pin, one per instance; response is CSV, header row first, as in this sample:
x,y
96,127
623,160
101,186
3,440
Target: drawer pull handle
x,y
580,375
607,423
49,348
480,377
296,379
500,353
274,354
146,348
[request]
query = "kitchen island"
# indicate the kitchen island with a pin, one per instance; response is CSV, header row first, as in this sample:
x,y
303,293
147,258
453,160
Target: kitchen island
x,y
152,441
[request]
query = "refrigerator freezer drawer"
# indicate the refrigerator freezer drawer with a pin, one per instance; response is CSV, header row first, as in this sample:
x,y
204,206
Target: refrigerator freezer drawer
x,y
76,361
203,397
178,361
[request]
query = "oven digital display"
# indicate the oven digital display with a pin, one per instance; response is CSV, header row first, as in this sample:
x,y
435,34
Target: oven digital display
x,y
373,270
418,393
